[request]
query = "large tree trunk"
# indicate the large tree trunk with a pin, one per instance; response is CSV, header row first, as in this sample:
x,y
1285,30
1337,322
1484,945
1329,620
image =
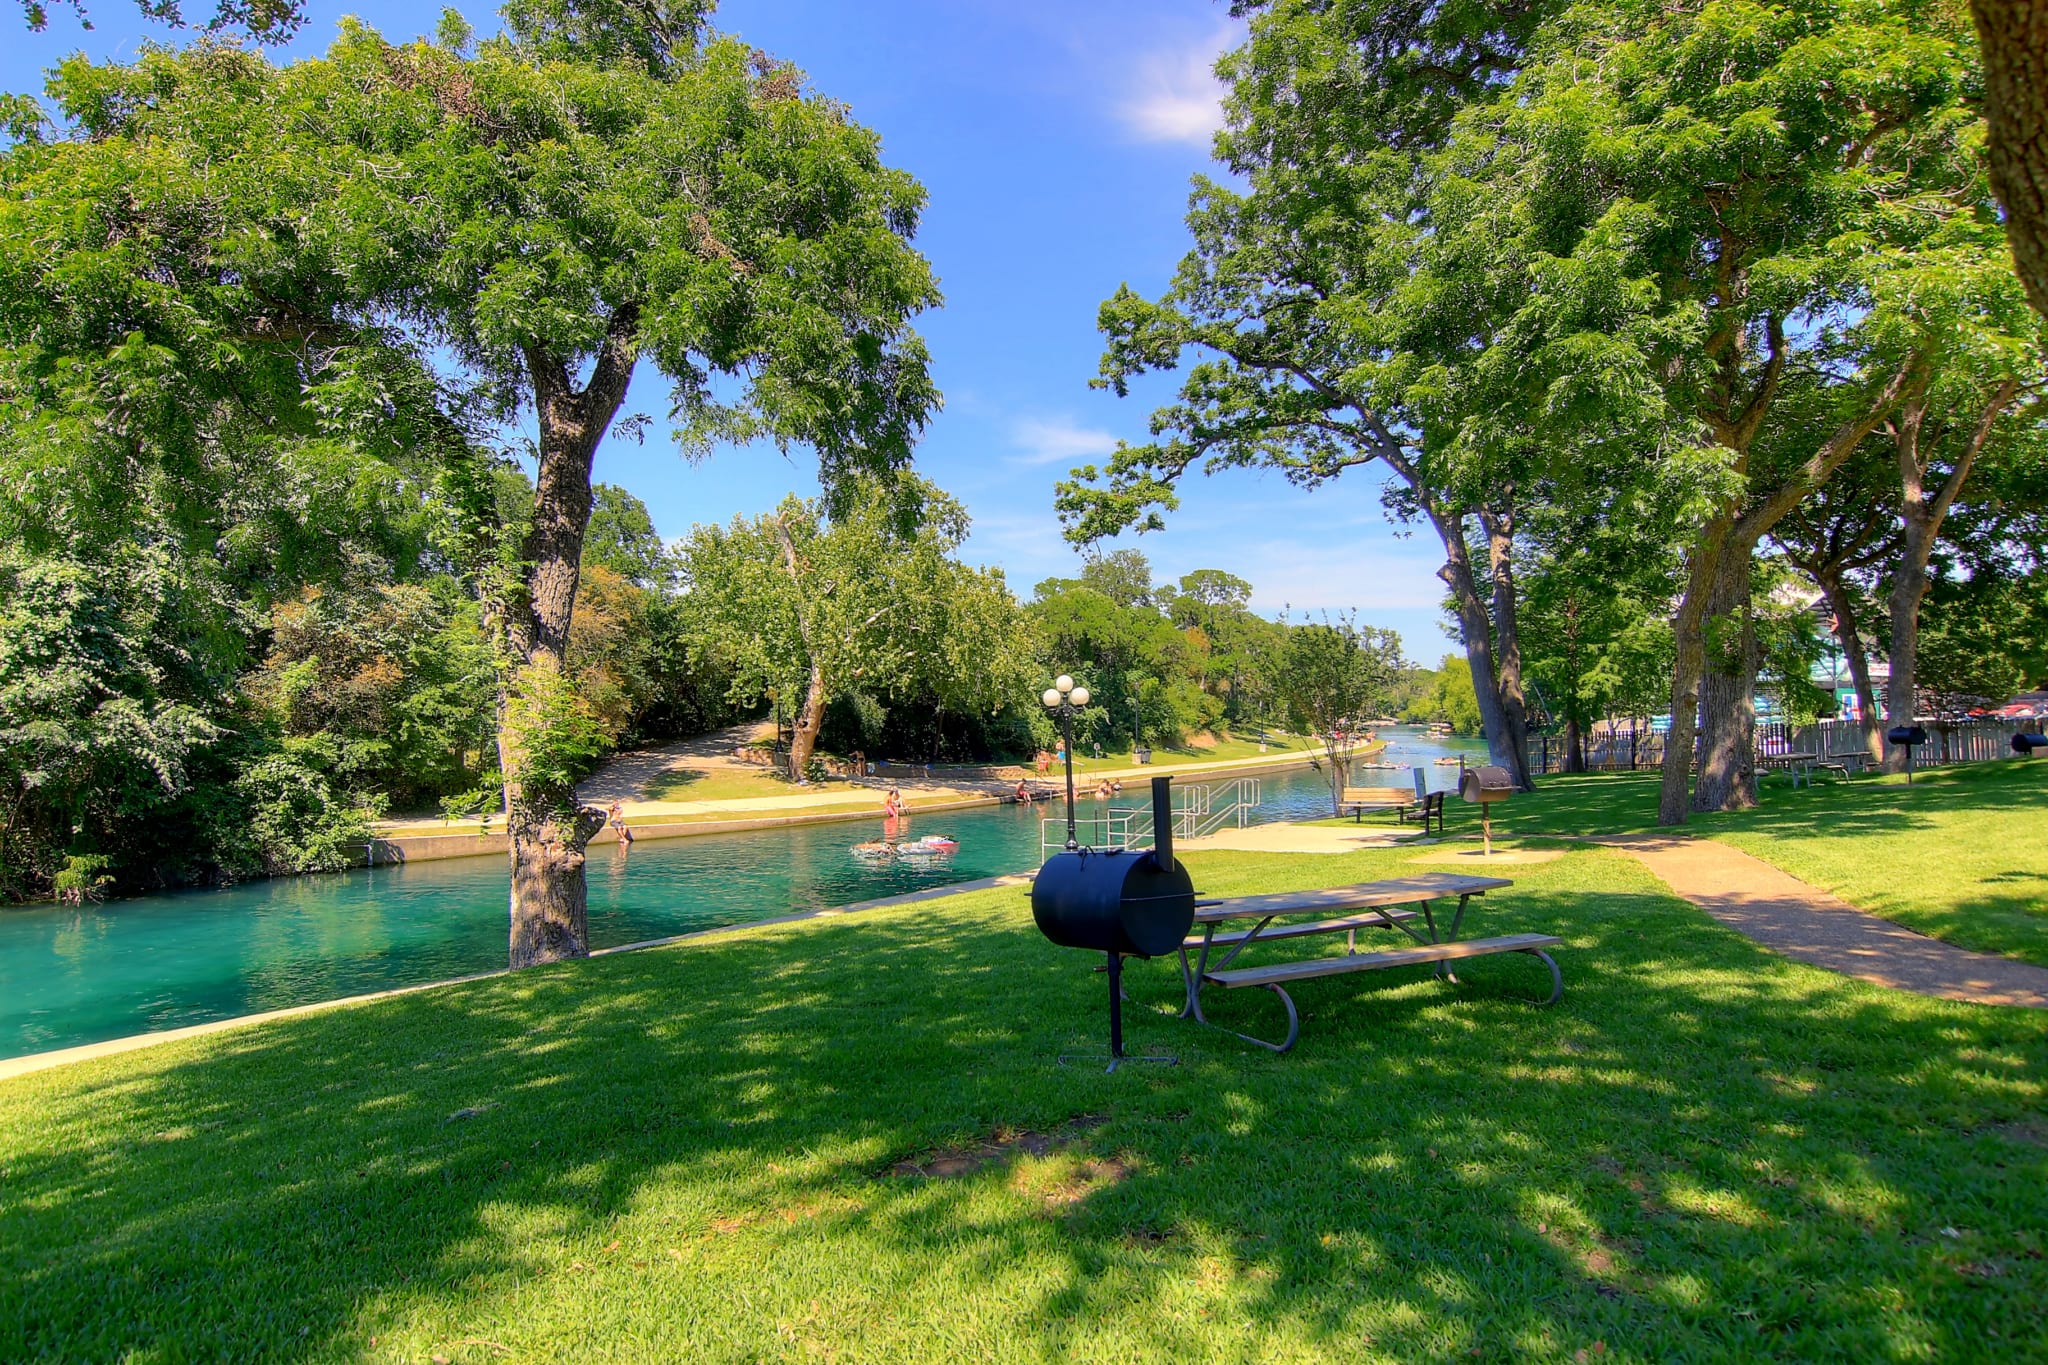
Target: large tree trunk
x,y
1920,518
1729,662
1717,583
803,732
548,827
1508,748
1514,707
1574,746
2014,37
1851,636
1688,636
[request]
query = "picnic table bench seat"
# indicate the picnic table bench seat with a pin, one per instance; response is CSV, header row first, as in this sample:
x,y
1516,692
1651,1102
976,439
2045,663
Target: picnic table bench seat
x,y
1364,905
1391,957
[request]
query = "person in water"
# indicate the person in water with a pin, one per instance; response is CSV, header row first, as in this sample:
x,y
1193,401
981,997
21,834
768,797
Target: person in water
x,y
892,808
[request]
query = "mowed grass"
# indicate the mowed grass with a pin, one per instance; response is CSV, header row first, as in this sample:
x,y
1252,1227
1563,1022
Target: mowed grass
x,y
718,784
1703,1153
1961,853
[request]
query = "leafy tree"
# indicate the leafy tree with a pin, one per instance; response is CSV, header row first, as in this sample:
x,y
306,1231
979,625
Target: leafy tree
x,y
1985,639
99,721
266,21
1447,695
1590,593
621,538
506,201
393,683
1854,242
1123,576
807,608
1334,678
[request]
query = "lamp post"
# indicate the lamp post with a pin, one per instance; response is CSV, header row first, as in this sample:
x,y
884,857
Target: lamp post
x,y
1137,729
1063,698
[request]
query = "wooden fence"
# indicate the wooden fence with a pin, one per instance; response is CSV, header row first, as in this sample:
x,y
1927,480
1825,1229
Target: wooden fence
x,y
1637,749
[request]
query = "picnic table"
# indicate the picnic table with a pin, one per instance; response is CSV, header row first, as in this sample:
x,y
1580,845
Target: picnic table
x,y
1799,766
1398,903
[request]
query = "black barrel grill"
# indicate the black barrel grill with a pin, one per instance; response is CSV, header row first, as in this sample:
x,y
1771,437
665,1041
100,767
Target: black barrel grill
x,y
2025,744
1907,737
1122,902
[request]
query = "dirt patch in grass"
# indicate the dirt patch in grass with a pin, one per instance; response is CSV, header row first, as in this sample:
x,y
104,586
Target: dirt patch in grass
x,y
946,1163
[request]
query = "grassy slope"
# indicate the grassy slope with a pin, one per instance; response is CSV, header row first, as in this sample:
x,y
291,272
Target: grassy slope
x,y
1703,1153
1961,854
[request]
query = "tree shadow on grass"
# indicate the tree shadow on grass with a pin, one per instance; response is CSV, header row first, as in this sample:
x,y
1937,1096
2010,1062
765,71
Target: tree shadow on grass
x,y
1703,1151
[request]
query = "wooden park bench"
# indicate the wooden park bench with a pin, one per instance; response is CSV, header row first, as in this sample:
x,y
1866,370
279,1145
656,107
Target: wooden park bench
x,y
1405,804
1359,800
1395,904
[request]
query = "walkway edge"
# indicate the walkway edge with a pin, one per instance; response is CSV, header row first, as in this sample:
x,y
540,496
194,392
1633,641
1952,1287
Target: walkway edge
x,y
1770,906
10,1067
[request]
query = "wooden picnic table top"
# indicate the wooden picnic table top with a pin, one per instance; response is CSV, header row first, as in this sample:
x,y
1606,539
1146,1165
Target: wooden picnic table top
x,y
1789,758
1358,896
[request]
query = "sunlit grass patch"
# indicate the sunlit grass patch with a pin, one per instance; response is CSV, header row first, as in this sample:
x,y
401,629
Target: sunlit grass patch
x,y
1703,1151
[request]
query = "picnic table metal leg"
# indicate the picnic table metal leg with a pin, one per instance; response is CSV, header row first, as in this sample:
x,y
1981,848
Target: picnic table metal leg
x,y
1443,969
1191,977
1556,976
1191,980
1293,1025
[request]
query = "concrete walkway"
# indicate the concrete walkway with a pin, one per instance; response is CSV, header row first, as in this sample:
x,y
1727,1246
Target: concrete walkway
x,y
1808,925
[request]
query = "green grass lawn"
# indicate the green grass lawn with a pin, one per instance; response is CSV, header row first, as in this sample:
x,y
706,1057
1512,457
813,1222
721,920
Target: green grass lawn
x,y
1703,1153
1961,853
720,784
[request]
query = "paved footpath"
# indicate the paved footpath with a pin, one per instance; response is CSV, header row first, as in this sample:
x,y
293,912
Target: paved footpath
x,y
1807,924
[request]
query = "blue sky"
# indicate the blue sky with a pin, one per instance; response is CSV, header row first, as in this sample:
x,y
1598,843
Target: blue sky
x,y
1056,140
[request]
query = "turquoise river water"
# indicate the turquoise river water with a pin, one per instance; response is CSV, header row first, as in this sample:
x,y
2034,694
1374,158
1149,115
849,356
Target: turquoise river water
x,y
71,976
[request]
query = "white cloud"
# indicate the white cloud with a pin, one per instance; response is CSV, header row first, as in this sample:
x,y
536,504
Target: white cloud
x,y
1178,97
1058,440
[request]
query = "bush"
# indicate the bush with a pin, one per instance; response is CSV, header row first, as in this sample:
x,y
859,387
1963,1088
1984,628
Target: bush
x,y
293,820
84,877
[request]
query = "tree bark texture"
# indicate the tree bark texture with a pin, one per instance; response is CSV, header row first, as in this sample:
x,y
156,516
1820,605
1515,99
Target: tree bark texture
x,y
2014,37
1717,582
1506,733
1514,707
1729,662
1850,634
548,828
803,730
1688,634
1921,514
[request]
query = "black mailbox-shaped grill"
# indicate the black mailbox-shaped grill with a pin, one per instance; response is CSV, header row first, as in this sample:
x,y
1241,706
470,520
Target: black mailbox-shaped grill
x,y
2026,744
1123,902
1907,736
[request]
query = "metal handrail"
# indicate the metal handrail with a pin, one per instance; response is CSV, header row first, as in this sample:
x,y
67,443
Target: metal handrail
x,y
1197,811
